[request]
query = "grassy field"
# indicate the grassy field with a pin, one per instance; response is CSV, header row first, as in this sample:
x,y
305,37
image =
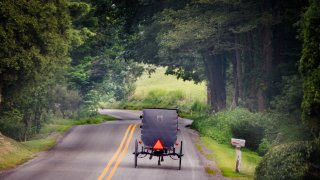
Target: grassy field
x,y
13,153
224,156
164,91
160,81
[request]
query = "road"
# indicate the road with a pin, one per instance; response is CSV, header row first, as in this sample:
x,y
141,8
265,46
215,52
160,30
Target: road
x,y
104,151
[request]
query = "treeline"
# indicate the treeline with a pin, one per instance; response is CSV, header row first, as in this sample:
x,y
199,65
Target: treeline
x,y
259,55
59,58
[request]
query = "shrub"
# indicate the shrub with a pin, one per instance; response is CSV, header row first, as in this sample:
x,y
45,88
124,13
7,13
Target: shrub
x,y
249,130
65,101
223,125
11,124
198,106
264,146
295,160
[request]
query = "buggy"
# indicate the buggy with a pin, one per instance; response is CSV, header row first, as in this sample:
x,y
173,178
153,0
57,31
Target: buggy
x,y
159,135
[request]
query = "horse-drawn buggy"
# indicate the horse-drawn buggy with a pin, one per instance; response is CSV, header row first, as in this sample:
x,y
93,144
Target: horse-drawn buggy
x,y
158,135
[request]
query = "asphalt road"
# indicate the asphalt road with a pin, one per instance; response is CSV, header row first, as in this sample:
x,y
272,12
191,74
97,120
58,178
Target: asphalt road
x,y
104,151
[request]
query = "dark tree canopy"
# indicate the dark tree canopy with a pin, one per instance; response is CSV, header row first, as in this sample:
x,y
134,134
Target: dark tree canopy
x,y
310,66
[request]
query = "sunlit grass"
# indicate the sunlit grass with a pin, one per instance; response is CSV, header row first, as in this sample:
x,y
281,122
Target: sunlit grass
x,y
224,155
160,81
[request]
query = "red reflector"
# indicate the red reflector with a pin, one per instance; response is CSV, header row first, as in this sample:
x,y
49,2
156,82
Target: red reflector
x,y
140,142
158,145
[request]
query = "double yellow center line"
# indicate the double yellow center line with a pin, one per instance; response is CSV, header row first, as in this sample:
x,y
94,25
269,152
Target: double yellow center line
x,y
116,155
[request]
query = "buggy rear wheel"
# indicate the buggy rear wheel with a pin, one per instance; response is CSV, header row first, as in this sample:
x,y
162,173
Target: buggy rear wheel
x,y
180,156
136,154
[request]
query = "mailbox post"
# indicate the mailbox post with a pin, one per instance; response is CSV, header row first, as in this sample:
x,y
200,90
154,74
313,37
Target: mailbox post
x,y
238,143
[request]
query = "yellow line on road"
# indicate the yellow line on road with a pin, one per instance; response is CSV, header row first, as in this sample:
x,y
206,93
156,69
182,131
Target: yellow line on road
x,y
122,153
105,170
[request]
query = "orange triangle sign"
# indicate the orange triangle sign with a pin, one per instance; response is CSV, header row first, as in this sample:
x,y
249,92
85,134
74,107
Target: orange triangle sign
x,y
158,145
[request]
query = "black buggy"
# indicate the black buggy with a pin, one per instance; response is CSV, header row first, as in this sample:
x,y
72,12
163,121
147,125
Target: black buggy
x,y
159,135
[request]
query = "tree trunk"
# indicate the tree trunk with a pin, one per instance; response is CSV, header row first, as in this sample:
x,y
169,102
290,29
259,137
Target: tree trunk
x,y
215,70
266,35
261,100
267,49
250,66
239,65
208,94
235,84
237,73
37,119
0,94
26,120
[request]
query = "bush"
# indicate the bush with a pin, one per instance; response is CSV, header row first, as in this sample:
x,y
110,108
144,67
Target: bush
x,y
264,146
198,106
11,124
214,127
238,123
65,101
295,160
249,130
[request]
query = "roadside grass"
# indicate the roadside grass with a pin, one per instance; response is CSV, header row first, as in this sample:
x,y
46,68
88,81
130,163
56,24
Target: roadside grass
x,y
39,145
13,153
216,130
224,155
94,120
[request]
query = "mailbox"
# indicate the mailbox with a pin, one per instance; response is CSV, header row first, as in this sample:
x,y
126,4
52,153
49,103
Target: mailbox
x,y
238,142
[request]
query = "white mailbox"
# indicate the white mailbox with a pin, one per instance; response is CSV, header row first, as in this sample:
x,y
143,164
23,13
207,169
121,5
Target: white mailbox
x,y
238,142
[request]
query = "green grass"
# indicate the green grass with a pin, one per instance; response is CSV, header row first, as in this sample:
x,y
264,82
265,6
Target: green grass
x,y
13,153
18,153
224,155
94,120
160,81
164,91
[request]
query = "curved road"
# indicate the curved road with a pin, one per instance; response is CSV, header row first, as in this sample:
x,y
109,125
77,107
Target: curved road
x,y
104,151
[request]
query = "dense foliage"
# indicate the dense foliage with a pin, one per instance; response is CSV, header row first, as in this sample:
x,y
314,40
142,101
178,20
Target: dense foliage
x,y
248,53
310,66
243,46
238,123
296,160
35,38
64,57
59,57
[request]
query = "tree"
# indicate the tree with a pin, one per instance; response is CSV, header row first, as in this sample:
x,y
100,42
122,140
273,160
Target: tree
x,y
310,66
98,67
35,38
34,41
